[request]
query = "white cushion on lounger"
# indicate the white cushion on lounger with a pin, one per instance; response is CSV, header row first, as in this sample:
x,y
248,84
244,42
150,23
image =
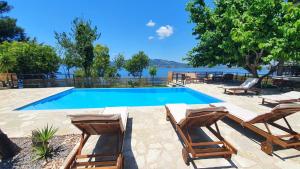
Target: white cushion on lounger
x,y
123,111
293,94
287,106
178,111
250,82
237,111
277,97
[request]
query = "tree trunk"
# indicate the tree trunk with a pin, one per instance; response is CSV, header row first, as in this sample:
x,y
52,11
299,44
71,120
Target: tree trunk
x,y
272,70
68,70
8,149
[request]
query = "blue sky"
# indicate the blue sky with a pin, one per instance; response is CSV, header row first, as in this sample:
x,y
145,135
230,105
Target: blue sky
x,y
158,27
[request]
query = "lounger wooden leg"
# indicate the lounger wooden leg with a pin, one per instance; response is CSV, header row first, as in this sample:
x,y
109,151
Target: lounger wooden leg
x,y
167,112
81,144
120,162
263,101
267,147
228,156
185,156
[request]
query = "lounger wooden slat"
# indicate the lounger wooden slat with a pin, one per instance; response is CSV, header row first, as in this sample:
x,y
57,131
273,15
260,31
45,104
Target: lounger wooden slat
x,y
94,163
197,118
95,155
99,124
212,152
277,113
206,143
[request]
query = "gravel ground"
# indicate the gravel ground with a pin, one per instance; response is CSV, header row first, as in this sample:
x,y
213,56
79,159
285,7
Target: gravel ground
x,y
62,146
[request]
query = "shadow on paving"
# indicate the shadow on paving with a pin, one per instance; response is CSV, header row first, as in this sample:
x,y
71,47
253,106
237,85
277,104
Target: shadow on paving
x,y
198,135
258,139
130,162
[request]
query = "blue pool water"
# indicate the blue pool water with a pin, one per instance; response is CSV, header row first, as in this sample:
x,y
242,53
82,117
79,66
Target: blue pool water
x,y
112,97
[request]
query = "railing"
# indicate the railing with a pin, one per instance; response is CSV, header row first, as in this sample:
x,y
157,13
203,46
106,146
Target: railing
x,y
54,81
237,78
64,80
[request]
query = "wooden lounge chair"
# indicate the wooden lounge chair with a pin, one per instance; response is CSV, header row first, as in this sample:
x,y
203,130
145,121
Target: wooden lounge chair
x,y
248,119
185,120
248,85
112,122
289,97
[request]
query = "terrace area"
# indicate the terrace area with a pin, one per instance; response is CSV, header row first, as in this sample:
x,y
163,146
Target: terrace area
x,y
151,141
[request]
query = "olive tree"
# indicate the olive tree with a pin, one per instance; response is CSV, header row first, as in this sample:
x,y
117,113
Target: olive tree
x,y
79,43
137,64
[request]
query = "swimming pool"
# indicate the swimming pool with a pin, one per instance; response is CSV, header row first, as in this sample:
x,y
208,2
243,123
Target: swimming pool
x,y
113,97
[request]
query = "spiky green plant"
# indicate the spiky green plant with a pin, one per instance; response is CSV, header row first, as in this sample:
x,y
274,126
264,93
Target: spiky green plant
x,y
42,152
44,135
40,140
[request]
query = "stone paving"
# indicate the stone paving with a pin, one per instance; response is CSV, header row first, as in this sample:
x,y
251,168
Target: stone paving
x,y
151,142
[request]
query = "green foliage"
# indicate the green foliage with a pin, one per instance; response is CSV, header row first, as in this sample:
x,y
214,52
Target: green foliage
x,y
28,58
244,33
79,43
41,139
79,73
44,135
111,72
42,152
9,31
7,63
4,7
119,61
101,61
69,62
133,84
137,63
152,71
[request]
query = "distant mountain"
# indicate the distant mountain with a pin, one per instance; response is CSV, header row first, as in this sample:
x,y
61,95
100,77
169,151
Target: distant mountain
x,y
160,63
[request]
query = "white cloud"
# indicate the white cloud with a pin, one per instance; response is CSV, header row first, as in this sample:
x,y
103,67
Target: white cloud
x,y
150,23
164,31
150,37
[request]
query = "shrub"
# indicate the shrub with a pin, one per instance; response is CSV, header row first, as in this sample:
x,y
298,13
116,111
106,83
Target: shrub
x,y
40,140
133,84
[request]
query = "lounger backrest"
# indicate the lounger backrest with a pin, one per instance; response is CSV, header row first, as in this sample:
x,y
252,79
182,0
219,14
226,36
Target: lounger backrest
x,y
278,112
250,82
96,124
204,116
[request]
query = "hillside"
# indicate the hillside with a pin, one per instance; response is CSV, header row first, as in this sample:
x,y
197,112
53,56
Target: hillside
x,y
167,64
